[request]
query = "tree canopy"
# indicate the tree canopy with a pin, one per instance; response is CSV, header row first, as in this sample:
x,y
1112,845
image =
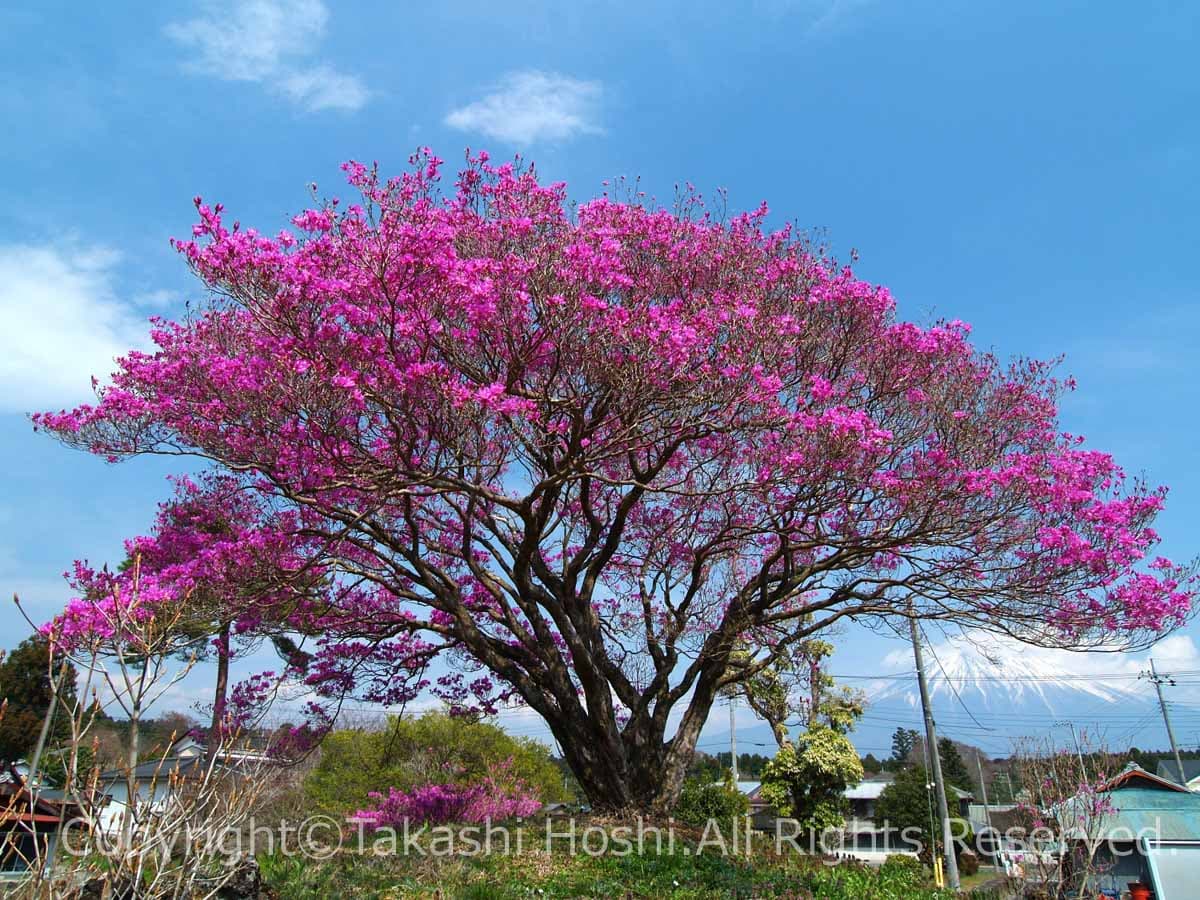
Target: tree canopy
x,y
592,452
908,803
27,683
954,767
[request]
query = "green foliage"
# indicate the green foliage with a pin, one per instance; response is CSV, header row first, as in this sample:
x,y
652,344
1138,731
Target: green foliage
x,y
669,876
806,781
954,768
1005,786
26,688
840,709
798,670
700,801
904,741
410,752
750,765
899,865
905,803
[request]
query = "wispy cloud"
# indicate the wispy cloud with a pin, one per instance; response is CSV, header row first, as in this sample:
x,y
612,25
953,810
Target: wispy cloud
x,y
817,17
834,15
530,106
273,43
63,323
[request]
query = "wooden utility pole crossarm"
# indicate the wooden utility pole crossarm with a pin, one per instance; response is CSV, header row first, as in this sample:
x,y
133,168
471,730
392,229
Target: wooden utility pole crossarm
x,y
1162,704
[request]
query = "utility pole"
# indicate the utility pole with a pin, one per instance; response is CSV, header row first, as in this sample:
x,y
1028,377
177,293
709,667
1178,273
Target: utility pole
x,y
1158,680
987,812
732,742
1012,794
934,759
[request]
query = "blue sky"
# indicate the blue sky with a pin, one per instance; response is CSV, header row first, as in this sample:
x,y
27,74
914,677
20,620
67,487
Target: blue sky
x,y
1028,167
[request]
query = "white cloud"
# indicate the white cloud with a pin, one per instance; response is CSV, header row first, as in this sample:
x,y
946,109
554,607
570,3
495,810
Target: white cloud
x,y
269,42
823,16
530,106
835,15
323,88
63,323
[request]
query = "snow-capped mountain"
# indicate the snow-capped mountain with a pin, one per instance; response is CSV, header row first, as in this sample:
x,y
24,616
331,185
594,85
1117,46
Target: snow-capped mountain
x,y
1002,676
994,693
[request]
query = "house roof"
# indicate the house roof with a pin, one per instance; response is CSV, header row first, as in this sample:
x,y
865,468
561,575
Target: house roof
x,y
162,768
866,790
190,756
1142,805
749,788
1166,815
19,804
1167,769
1134,776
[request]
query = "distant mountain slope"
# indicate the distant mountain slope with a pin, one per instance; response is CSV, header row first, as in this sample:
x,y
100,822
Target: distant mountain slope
x,y
994,693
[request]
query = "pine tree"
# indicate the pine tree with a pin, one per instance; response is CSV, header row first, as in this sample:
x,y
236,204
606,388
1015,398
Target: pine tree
x,y
904,741
954,768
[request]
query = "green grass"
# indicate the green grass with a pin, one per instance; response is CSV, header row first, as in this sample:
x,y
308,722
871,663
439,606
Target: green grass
x,y
534,873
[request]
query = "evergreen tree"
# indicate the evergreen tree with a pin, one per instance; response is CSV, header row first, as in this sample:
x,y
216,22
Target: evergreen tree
x,y
26,689
954,768
904,741
906,802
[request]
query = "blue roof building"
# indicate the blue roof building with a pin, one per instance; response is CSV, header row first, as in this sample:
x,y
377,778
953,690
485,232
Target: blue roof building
x,y
1151,835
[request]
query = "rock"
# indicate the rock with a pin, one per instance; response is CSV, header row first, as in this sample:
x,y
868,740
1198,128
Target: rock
x,y
245,882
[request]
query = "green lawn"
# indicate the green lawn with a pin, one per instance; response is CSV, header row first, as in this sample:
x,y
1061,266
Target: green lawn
x,y
534,872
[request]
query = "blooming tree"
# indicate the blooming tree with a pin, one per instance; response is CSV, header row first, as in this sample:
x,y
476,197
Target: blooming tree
x,y
595,451
230,570
1066,810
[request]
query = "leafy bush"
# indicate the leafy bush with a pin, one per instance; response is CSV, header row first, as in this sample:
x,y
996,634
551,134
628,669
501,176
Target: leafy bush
x,y
702,800
966,835
807,781
904,804
433,749
900,866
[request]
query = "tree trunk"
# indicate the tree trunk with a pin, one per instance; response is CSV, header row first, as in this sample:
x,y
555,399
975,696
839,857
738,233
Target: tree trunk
x,y
220,693
131,782
814,690
646,772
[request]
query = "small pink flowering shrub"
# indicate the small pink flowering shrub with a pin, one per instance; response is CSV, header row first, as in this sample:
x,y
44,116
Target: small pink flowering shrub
x,y
500,795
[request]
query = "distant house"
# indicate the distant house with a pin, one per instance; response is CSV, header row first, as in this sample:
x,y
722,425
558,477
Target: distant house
x,y
156,780
1152,835
863,837
1191,772
31,823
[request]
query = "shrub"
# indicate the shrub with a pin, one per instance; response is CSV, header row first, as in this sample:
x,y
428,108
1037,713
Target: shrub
x,y
702,800
898,863
968,863
806,781
499,796
412,753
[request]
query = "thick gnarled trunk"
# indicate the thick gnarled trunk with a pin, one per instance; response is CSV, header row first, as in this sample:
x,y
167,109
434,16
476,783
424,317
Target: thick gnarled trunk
x,y
643,771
